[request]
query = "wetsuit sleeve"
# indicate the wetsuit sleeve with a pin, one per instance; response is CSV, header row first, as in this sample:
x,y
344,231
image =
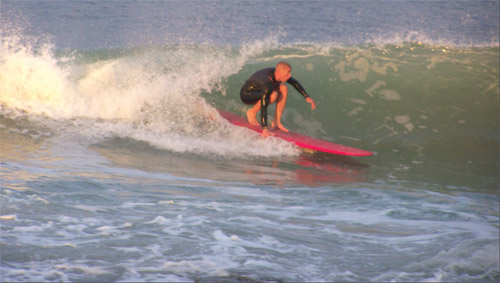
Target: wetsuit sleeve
x,y
298,87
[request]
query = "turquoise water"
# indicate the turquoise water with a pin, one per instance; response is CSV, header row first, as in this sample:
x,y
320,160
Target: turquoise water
x,y
116,167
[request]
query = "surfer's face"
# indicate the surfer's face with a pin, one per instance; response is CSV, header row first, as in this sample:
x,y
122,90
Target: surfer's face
x,y
283,74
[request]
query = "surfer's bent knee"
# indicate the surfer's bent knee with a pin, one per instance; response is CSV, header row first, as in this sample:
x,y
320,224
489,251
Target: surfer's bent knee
x,y
273,96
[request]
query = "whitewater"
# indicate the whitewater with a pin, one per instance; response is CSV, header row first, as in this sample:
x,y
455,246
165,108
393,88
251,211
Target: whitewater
x,y
115,165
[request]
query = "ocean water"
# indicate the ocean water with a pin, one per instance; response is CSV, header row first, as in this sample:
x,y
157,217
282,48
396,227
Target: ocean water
x,y
115,165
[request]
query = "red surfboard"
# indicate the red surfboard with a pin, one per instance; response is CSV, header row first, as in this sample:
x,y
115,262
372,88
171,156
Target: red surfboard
x,y
298,139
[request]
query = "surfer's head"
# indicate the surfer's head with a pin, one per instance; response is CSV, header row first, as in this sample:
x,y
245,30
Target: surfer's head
x,y
283,71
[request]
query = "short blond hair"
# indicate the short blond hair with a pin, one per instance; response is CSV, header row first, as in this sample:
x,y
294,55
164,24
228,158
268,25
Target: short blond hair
x,y
281,66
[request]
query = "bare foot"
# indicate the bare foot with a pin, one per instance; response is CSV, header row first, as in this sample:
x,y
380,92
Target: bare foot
x,y
251,118
265,133
279,126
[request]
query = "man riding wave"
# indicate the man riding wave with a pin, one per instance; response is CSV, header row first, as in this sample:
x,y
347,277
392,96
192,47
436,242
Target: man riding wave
x,y
265,87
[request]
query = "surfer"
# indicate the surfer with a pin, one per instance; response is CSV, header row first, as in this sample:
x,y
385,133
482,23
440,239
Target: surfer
x,y
265,87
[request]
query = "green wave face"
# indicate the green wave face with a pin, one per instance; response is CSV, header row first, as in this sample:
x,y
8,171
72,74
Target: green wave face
x,y
417,106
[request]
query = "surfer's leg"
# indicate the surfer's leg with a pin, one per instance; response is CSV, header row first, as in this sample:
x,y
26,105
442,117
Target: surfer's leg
x,y
250,97
252,113
280,106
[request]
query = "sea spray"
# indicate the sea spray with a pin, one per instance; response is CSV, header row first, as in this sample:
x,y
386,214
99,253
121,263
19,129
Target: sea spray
x,y
148,94
30,80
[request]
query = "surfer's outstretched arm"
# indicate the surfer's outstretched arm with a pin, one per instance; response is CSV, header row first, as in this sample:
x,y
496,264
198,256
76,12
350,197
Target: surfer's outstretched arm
x,y
302,91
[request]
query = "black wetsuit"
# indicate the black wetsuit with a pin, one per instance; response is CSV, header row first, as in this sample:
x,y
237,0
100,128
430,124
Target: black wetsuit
x,y
260,86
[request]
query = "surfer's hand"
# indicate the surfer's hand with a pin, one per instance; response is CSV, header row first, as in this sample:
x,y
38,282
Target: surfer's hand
x,y
265,133
313,105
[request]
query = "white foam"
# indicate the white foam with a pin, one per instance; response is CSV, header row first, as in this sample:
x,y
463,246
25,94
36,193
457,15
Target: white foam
x,y
105,228
207,267
159,220
27,81
131,97
85,269
8,217
34,228
90,208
